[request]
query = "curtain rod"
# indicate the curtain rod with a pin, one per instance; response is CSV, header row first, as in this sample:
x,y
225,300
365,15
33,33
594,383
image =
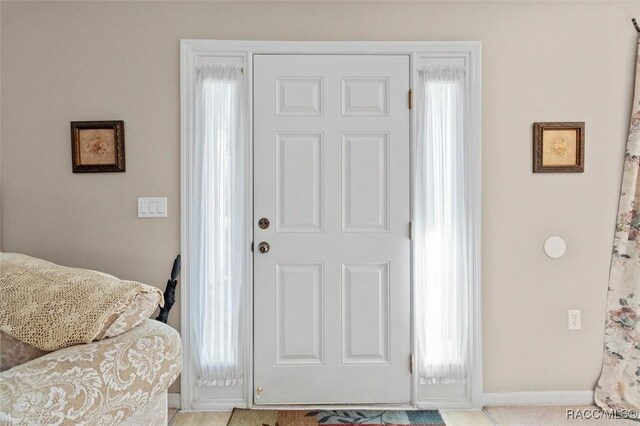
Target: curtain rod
x,y
635,24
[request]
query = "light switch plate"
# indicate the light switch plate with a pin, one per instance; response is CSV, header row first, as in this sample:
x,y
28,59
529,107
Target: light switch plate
x,y
152,207
574,319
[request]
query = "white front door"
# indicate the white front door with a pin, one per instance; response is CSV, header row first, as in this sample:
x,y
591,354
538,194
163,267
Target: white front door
x,y
331,175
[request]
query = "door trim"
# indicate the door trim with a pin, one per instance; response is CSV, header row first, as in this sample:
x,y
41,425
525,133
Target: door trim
x,y
196,52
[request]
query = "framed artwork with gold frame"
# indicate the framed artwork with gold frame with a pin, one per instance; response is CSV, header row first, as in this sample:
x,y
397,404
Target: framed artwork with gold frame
x,y
97,146
558,147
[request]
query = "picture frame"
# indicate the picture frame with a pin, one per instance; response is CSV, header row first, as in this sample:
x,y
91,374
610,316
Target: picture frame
x,y
558,147
97,146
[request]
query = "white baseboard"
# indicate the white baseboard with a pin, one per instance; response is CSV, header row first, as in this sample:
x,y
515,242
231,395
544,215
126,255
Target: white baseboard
x,y
538,398
221,405
173,401
488,399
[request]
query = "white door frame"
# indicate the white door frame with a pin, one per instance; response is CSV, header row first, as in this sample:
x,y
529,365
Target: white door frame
x,y
196,52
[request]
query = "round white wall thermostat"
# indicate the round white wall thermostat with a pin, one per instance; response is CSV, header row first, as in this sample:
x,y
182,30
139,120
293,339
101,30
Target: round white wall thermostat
x,y
555,247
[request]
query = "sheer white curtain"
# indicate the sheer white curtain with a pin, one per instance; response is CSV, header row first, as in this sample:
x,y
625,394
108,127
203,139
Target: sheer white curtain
x,y
441,246
217,226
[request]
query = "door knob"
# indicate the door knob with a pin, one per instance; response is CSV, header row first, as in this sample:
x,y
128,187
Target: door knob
x,y
263,247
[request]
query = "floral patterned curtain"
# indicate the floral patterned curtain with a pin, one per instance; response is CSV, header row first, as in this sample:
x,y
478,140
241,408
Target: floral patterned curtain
x,y
619,384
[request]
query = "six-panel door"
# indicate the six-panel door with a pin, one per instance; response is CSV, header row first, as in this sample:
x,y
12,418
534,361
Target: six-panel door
x,y
331,175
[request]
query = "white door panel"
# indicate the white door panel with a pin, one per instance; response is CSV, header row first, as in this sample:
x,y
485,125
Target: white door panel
x,y
331,173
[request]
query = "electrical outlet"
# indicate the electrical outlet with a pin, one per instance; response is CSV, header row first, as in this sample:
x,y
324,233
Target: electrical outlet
x,y
574,319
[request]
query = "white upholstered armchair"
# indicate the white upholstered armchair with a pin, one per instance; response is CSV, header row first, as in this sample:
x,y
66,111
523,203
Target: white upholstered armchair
x,y
119,380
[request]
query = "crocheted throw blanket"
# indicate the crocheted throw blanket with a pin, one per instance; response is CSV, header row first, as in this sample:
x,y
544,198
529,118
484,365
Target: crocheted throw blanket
x,y
51,307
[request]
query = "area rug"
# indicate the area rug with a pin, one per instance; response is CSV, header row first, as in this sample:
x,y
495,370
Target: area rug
x,y
241,417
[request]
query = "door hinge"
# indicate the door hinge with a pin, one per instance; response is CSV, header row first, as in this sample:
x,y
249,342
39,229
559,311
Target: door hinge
x,y
410,99
251,245
411,363
411,236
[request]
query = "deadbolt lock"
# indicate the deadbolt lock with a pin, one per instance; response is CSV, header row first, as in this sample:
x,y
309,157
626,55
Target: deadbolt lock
x,y
263,223
263,247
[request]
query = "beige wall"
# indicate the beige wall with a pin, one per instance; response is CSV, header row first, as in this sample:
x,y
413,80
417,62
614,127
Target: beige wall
x,y
546,61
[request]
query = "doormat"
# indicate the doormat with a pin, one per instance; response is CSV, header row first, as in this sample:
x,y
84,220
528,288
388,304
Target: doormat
x,y
243,417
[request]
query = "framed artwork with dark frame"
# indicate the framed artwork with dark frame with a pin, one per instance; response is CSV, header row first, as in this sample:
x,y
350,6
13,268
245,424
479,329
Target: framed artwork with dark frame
x,y
97,146
558,147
